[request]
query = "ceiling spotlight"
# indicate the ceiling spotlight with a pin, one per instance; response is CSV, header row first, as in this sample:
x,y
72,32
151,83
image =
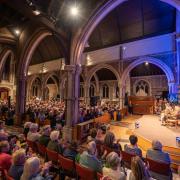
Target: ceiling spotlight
x,y
17,31
74,11
146,63
124,48
36,12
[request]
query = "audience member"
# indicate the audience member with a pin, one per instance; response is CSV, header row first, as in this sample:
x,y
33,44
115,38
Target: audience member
x,y
33,134
113,167
88,158
138,170
32,170
45,137
5,158
93,133
133,147
157,154
71,150
110,142
26,128
18,160
54,144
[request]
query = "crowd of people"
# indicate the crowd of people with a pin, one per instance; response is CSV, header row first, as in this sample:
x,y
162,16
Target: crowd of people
x,y
54,111
22,163
167,110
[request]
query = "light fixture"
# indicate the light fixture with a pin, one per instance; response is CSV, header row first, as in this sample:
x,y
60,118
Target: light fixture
x,y
29,73
74,11
88,57
124,48
36,12
146,63
17,31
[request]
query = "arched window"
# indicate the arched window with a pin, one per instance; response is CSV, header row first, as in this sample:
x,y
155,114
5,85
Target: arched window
x,y
81,91
91,91
142,88
105,91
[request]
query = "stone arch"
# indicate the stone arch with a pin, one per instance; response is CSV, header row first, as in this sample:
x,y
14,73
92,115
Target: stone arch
x,y
29,49
3,57
81,37
102,66
167,70
33,79
50,75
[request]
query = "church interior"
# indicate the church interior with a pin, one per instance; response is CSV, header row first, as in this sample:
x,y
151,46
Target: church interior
x,y
90,89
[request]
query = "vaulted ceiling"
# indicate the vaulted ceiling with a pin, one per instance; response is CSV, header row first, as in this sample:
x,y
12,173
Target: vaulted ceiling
x,y
133,19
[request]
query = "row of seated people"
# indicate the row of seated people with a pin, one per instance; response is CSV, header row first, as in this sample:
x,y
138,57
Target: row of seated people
x,y
100,136
107,164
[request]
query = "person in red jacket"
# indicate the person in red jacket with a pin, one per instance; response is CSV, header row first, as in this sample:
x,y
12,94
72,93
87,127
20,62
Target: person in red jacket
x,y
5,158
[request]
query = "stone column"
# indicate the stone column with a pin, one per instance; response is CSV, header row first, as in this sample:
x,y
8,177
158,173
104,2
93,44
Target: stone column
x,y
178,52
72,99
20,99
86,93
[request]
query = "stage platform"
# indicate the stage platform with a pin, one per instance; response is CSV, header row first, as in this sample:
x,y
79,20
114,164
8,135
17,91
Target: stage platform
x,y
151,128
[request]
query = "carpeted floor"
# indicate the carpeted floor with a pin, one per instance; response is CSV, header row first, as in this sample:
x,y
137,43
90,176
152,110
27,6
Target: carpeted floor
x,y
150,128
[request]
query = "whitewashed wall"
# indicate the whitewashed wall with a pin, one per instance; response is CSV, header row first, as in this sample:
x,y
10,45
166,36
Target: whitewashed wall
x,y
144,47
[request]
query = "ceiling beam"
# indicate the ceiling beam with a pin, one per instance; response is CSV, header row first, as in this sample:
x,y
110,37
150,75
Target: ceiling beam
x,y
22,7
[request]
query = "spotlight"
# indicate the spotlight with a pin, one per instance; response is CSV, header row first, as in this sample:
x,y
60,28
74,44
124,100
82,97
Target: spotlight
x,y
17,31
124,48
74,11
146,63
36,12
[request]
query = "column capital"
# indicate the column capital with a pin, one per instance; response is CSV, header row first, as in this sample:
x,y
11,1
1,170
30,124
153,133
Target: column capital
x,y
22,78
78,69
69,68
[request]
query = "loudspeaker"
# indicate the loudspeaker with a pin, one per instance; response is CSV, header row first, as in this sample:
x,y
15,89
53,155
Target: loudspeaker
x,y
94,100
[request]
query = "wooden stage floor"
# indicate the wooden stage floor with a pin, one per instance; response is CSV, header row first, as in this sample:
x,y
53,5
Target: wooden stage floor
x,y
150,128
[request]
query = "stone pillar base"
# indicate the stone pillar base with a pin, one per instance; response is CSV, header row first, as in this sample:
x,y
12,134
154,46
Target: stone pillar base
x,y
67,133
